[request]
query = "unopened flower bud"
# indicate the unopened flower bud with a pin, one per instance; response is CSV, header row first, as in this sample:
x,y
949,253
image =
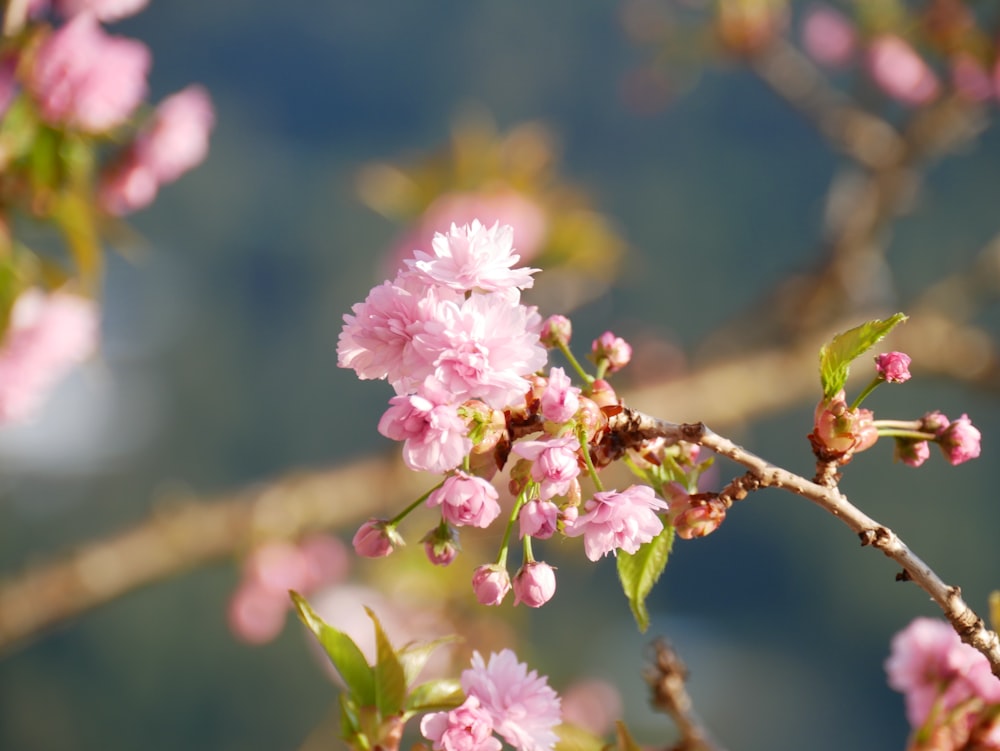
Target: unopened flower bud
x,y
590,416
894,367
376,538
441,545
934,422
486,425
611,349
556,330
840,432
602,393
534,584
960,440
910,452
694,515
538,519
490,583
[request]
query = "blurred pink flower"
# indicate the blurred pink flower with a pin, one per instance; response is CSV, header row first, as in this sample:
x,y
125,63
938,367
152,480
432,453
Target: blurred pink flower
x,y
103,10
900,72
613,521
174,141
8,83
593,705
256,615
828,36
83,78
524,708
277,567
970,78
47,335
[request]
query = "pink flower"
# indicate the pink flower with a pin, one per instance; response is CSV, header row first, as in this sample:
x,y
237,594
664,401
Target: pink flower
x,y
377,340
593,705
534,584
376,539
960,440
556,463
490,583
894,367
466,500
256,615
47,334
538,519
828,36
912,453
277,567
104,10
611,349
468,727
900,72
928,663
434,433
523,707
481,348
561,399
970,78
473,257
613,521
83,78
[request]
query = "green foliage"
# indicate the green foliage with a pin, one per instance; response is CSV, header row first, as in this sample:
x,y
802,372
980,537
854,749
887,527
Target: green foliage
x,y
435,696
575,738
835,357
414,656
640,571
390,679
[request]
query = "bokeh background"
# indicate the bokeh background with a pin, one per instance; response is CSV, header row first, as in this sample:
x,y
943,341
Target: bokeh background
x,y
219,370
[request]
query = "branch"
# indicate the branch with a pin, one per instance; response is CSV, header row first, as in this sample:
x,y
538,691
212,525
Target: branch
x,y
667,679
636,427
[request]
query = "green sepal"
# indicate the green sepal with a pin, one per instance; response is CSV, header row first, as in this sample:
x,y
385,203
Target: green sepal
x,y
638,572
343,653
575,738
435,696
414,656
390,678
835,357
350,720
625,740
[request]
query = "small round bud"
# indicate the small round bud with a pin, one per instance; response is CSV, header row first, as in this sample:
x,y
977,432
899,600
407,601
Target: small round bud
x,y
490,583
441,545
376,538
534,584
912,453
538,519
893,367
603,394
611,349
960,440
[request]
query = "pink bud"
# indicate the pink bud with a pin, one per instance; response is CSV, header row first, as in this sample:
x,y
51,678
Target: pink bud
x,y
695,515
912,453
556,330
490,583
441,545
538,519
613,350
593,420
376,538
840,432
561,399
603,394
534,584
934,422
893,367
960,441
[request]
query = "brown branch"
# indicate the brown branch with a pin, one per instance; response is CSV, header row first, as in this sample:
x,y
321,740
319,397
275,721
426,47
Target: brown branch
x,y
667,679
969,626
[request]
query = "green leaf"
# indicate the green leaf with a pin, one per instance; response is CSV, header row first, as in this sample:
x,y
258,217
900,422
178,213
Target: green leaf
x,y
343,653
435,696
390,678
639,572
574,738
625,740
835,357
414,656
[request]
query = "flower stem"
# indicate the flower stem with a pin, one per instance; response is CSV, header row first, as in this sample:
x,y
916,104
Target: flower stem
x,y
581,435
568,354
413,506
868,389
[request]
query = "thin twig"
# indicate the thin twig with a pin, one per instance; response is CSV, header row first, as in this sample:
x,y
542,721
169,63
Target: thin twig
x,y
637,427
667,679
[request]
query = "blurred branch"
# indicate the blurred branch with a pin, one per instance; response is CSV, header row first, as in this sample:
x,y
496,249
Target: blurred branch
x,y
667,679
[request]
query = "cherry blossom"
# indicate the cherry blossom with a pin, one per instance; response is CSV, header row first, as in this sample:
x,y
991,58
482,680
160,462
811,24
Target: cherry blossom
x,y
435,435
466,500
556,463
561,399
613,521
468,727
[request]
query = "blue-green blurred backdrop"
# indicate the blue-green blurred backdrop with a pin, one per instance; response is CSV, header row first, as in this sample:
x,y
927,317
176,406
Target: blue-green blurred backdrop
x,y
220,370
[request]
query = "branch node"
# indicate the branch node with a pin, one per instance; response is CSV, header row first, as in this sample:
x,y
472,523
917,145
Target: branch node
x,y
904,576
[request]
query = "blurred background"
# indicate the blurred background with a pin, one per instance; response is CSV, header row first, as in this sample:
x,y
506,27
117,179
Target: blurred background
x,y
709,188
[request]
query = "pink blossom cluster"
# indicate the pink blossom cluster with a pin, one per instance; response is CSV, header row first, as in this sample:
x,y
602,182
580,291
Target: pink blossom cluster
x,y
260,603
892,63
952,697
959,440
504,698
47,334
